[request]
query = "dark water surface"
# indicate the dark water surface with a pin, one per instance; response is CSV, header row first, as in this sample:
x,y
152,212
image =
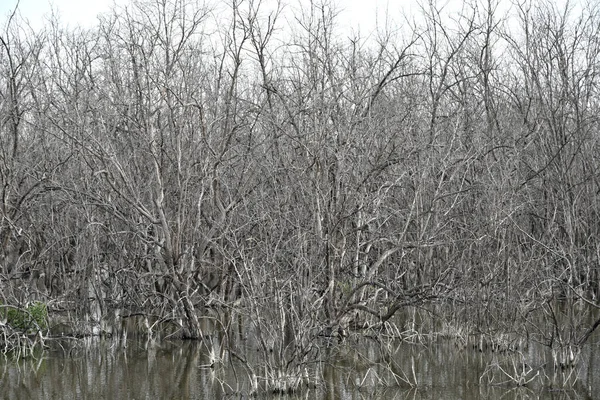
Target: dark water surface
x,y
109,369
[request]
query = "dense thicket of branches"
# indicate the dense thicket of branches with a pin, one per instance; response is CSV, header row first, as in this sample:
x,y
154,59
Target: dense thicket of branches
x,y
252,159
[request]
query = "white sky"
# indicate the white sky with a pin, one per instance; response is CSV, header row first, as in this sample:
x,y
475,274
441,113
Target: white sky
x,y
357,14
84,12
72,12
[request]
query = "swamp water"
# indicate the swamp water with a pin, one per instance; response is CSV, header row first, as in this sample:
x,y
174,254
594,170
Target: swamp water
x,y
139,369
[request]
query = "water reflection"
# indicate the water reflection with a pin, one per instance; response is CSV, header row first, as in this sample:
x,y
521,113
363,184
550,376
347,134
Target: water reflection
x,y
181,370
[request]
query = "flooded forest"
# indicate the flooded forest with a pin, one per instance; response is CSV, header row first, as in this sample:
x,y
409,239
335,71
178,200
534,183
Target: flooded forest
x,y
282,190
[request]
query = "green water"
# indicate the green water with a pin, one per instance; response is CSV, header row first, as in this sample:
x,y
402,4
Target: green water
x,y
140,369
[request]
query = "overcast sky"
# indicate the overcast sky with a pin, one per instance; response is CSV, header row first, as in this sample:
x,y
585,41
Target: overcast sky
x,y
356,14
72,11
84,12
